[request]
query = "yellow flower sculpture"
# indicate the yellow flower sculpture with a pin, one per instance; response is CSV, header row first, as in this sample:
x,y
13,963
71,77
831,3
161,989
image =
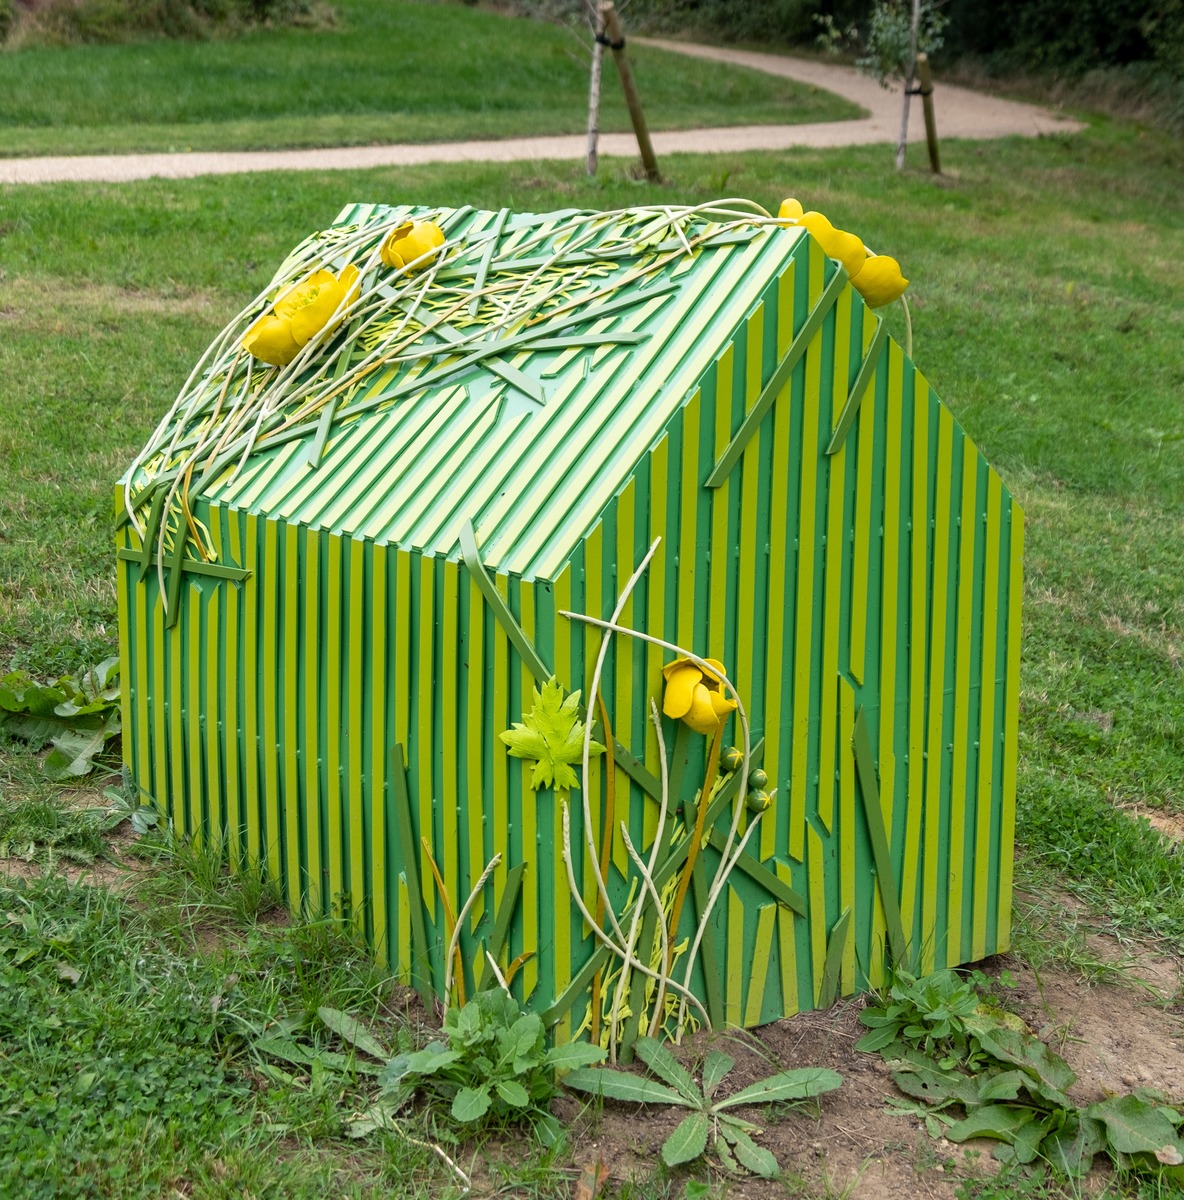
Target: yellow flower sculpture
x,y
299,314
695,696
876,277
413,245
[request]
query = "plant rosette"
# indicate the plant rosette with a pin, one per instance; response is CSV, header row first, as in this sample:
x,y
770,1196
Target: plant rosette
x,y
494,1068
315,305
710,1119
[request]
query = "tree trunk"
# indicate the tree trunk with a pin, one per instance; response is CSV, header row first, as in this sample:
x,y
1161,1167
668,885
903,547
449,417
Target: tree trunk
x,y
910,76
594,92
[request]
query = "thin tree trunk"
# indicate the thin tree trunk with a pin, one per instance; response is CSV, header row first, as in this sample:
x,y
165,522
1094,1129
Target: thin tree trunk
x,y
908,88
594,90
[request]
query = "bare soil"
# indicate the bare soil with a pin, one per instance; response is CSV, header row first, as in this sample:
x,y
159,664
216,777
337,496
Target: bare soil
x,y
1116,1037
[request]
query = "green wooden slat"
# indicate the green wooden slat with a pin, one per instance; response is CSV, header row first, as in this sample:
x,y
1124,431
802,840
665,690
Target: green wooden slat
x,y
832,970
869,788
514,377
501,925
324,425
195,566
752,422
495,233
858,388
144,557
173,577
648,783
708,948
421,971
472,560
780,891
611,337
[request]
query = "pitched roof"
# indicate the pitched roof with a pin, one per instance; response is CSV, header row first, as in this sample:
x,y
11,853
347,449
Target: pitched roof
x,y
516,383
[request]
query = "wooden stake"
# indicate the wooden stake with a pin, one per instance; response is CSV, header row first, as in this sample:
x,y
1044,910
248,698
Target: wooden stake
x,y
594,92
925,79
616,40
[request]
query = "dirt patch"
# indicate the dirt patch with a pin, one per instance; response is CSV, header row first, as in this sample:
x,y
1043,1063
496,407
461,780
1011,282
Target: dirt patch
x,y
1171,825
1116,1037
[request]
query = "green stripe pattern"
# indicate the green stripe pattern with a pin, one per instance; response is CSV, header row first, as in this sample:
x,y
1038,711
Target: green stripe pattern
x,y
856,564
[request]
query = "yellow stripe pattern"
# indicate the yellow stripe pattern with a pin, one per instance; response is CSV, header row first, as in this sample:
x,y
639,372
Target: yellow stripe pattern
x,y
271,711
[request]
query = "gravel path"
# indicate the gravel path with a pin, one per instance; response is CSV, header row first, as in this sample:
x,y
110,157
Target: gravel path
x,y
960,114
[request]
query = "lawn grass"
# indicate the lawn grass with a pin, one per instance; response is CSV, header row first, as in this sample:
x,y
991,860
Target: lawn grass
x,y
374,78
1043,275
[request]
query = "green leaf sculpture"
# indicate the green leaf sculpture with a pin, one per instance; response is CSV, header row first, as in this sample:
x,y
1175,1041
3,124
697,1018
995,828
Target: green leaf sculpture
x,y
730,1136
552,735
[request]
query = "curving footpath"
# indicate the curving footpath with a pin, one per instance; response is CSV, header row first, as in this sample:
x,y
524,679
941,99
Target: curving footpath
x,y
960,114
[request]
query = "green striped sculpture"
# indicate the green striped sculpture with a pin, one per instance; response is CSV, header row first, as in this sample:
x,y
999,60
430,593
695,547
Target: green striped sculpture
x,y
343,577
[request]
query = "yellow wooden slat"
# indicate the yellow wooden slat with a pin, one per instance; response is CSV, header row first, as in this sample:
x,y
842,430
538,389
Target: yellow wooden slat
x,y
817,869
379,752
890,590
425,622
595,606
402,693
775,624
734,985
1015,587
721,546
403,974
251,812
848,833
934,953
561,898
333,675
293,590
447,801
787,945
176,726
191,624
145,700
501,718
959,773
270,702
655,611
621,712
861,550
752,537
986,731
474,740
833,557
213,713
918,616
759,972
234,796
312,721
531,898
356,788
688,532
804,623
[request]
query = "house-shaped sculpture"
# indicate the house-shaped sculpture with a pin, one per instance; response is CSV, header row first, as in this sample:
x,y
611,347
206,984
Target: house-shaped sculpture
x,y
342,579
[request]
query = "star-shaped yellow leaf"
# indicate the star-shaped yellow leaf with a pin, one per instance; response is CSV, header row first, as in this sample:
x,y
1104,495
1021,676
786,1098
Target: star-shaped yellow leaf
x,y
551,734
